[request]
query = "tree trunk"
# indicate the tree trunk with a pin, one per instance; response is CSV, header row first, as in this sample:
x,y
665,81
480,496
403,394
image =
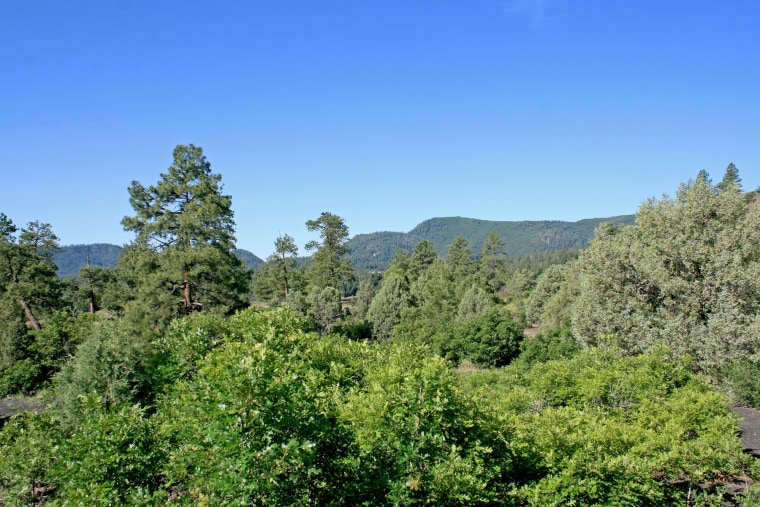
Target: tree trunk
x,y
285,276
29,315
91,294
188,306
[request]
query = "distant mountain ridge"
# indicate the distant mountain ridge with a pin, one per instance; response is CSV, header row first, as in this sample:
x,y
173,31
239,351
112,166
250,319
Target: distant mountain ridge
x,y
71,258
374,251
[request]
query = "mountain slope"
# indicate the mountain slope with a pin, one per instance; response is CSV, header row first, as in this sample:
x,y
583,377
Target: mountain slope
x,y
71,258
374,251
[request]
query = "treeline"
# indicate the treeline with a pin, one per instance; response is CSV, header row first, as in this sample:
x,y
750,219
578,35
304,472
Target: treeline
x,y
183,377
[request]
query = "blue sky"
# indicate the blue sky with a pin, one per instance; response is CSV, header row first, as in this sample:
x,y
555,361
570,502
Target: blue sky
x,y
384,112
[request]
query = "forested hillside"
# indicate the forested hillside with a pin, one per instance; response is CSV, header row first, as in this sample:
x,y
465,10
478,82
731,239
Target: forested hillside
x,y
521,238
182,377
374,251
72,258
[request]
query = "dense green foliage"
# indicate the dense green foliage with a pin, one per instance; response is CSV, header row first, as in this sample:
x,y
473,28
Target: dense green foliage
x,y
34,334
255,409
687,275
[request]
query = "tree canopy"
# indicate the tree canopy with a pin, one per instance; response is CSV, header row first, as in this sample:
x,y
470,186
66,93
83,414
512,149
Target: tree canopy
x,y
183,254
687,275
328,266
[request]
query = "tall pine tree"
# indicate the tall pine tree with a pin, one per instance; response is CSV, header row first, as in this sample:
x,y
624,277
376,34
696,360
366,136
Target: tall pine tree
x,y
183,257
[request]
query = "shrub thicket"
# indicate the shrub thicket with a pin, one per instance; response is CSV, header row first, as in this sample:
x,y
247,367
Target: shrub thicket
x,y
256,409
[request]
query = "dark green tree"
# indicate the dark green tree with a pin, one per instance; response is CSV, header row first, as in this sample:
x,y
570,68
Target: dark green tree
x,y
475,301
324,306
492,261
548,284
434,304
460,259
400,265
30,291
491,339
183,258
285,253
328,266
363,299
423,256
731,177
97,288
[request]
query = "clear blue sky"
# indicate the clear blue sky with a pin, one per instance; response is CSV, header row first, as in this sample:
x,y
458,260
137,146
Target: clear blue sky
x,y
385,112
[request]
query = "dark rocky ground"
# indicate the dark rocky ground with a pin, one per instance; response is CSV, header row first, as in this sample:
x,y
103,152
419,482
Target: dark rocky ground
x,y
750,425
12,406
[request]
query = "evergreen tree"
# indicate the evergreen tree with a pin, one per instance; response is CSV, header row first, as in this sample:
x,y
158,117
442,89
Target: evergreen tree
x,y
328,267
459,259
324,306
285,253
363,299
687,275
492,260
183,258
400,265
385,310
731,177
547,285
423,256
475,302
30,291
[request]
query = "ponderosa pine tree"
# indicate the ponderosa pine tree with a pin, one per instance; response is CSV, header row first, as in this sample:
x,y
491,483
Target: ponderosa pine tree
x,y
285,253
328,267
731,177
459,259
183,258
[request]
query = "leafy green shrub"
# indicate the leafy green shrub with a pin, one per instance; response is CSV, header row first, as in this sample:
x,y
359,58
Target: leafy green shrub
x,y
45,352
421,440
265,413
740,380
111,364
187,341
27,443
23,377
555,344
113,457
602,428
488,340
256,325
257,423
